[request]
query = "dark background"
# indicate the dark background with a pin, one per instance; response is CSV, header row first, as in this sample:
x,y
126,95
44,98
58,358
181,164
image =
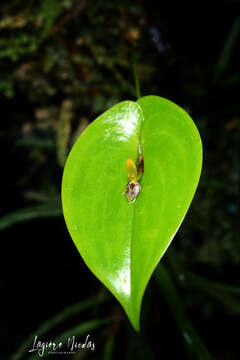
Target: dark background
x,y
62,64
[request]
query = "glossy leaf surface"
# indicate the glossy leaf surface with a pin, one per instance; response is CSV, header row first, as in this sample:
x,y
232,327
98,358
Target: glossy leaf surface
x,y
120,242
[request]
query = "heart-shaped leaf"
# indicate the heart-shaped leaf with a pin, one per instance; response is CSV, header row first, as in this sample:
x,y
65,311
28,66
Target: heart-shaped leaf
x,y
122,242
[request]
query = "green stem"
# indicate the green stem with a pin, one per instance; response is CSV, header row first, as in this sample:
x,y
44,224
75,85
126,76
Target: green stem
x,y
137,84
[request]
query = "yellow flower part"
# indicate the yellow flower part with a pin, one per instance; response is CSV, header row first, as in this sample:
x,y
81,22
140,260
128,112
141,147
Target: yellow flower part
x,y
131,170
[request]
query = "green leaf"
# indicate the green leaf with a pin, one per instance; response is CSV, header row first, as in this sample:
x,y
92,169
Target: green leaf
x,y
121,242
77,331
108,349
191,338
52,209
227,51
224,293
54,321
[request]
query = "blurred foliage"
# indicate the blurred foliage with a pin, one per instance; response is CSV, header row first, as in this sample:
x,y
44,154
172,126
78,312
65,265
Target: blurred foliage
x,y
62,63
